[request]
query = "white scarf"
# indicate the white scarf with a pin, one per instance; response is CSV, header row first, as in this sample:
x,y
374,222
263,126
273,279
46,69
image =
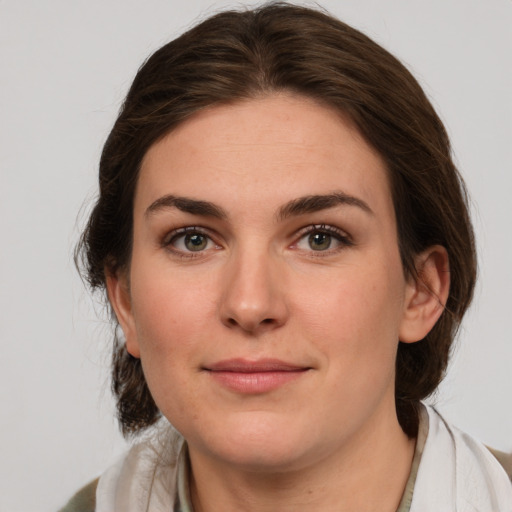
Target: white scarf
x,y
458,474
455,474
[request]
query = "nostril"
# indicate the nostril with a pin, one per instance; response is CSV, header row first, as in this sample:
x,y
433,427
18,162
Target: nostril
x,y
249,326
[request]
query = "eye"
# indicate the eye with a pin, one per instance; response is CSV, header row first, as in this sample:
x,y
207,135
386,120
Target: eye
x,y
319,241
321,238
189,240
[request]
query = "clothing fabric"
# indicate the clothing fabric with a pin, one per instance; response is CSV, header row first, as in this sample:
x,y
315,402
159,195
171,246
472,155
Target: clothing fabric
x,y
505,459
84,500
457,473
451,472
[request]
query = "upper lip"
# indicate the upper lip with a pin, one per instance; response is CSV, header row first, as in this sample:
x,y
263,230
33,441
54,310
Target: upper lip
x,y
241,365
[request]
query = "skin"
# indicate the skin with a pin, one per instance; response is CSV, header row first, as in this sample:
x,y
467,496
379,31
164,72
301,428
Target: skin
x,y
262,285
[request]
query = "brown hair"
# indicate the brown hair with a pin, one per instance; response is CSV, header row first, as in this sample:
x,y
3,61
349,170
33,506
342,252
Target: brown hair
x,y
237,55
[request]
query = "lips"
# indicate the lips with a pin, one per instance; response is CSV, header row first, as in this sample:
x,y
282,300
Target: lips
x,y
246,366
254,377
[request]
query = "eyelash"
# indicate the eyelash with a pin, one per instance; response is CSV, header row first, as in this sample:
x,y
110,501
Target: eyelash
x,y
171,238
340,236
344,240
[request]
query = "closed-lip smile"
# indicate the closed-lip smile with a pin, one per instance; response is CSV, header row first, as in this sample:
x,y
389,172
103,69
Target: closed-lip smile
x,y
254,376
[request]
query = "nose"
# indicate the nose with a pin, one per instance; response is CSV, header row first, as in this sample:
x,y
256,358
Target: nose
x,y
253,298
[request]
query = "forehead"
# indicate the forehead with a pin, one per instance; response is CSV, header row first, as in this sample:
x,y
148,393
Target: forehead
x,y
278,147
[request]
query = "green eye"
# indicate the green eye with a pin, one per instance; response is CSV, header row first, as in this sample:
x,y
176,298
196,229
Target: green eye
x,y
195,242
189,240
319,241
320,238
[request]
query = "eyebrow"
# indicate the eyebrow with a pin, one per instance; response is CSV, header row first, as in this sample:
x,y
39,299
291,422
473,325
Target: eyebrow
x,y
315,203
296,207
187,205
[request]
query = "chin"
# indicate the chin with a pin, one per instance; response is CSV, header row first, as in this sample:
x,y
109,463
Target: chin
x,y
260,445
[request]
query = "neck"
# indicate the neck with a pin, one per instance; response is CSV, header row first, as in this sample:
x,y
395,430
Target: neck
x,y
367,475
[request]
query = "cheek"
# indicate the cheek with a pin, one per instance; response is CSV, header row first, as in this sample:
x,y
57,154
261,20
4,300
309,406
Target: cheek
x,y
168,332
356,314
167,326
165,320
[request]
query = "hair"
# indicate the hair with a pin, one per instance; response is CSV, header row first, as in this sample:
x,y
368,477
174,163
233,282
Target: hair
x,y
239,55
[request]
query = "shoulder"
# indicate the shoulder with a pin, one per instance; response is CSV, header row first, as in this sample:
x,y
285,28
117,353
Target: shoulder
x,y
84,500
144,478
505,459
457,472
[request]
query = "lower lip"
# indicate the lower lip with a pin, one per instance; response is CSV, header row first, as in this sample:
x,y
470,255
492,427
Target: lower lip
x,y
255,382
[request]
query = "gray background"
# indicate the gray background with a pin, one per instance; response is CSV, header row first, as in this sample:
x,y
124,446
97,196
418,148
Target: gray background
x,y
65,66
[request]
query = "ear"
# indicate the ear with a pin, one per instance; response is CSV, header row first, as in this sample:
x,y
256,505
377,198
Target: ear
x,y
119,296
426,294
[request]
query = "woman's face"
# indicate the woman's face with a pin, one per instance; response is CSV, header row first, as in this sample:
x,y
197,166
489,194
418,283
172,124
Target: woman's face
x,y
266,292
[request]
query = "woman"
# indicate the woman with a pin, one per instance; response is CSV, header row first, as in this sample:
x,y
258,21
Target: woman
x,y
285,244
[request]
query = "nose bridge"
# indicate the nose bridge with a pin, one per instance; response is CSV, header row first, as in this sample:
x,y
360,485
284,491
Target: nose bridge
x,y
252,296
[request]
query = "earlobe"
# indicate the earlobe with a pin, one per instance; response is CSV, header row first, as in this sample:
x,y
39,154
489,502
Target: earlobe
x,y
119,297
426,294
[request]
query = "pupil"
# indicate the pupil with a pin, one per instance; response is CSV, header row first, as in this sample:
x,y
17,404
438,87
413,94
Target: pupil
x,y
195,242
319,241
